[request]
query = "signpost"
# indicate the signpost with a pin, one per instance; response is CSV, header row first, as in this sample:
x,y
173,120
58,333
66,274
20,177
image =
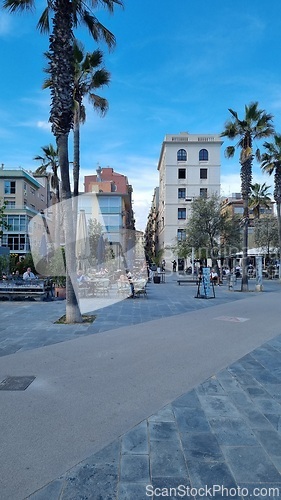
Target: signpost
x,y
205,289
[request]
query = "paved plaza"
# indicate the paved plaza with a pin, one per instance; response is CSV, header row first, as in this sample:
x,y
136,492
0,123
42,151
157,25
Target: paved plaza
x,y
167,396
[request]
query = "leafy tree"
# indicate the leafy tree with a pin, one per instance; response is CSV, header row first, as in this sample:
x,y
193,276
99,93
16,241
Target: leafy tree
x,y
95,230
266,233
255,125
182,249
209,231
3,221
66,15
271,163
259,198
230,237
204,227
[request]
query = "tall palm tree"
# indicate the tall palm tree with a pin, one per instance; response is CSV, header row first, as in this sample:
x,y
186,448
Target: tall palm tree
x,y
255,125
271,163
50,159
88,76
259,198
66,15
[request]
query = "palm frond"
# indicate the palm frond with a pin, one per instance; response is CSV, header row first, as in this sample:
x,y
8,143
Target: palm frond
x,y
97,30
100,103
44,22
18,5
234,113
230,151
100,78
230,130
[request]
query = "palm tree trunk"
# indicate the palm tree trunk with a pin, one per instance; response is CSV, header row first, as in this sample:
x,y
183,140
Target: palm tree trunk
x,y
279,235
76,152
246,180
61,117
76,167
244,282
73,314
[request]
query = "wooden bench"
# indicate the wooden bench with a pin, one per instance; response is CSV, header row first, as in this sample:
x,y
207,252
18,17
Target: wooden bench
x,y
11,289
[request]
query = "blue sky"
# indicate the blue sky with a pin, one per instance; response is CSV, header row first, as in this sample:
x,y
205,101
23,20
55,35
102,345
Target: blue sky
x,y
178,66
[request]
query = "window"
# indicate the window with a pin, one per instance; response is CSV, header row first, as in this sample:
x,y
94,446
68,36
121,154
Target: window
x,y
203,173
112,223
181,173
181,213
10,187
32,190
181,155
203,155
17,222
181,236
181,193
203,192
16,242
10,203
110,205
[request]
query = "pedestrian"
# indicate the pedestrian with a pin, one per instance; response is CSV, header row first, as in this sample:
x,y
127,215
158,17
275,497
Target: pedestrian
x,y
174,266
130,279
28,274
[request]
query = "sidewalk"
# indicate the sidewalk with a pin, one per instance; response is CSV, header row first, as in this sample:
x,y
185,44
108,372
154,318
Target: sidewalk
x,y
188,395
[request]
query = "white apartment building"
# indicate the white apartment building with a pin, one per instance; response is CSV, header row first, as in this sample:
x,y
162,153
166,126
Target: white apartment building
x,y
189,167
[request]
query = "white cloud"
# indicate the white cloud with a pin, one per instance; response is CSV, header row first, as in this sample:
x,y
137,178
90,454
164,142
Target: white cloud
x,y
5,24
44,125
231,183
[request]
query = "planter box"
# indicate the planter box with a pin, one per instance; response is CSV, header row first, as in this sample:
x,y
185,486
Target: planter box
x,y
60,292
156,279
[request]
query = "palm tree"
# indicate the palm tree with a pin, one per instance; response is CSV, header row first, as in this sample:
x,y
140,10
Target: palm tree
x,y
271,163
50,159
256,124
87,78
66,15
259,198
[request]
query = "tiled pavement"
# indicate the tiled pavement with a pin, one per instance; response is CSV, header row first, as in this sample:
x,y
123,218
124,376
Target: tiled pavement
x,y
22,320
226,432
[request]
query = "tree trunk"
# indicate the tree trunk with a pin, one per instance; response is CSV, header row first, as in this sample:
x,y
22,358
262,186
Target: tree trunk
x,y
61,117
246,180
76,152
244,282
73,314
76,168
279,235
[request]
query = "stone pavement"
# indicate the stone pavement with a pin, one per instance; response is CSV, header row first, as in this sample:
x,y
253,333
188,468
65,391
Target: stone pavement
x,y
224,433
21,320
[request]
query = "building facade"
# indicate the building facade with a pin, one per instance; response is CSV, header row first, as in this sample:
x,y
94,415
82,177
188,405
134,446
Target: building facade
x,y
234,205
189,167
25,196
108,199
